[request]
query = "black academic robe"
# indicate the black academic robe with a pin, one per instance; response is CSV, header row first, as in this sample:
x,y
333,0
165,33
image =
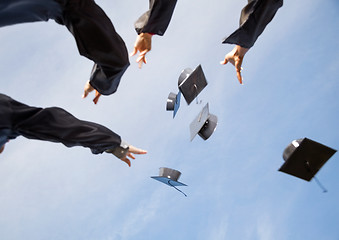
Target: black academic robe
x,y
253,20
93,31
53,124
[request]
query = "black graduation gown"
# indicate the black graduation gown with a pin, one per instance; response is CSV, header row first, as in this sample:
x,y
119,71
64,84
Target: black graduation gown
x,y
253,20
52,124
93,31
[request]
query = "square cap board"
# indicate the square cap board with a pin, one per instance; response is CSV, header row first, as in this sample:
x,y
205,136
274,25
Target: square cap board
x,y
304,158
191,83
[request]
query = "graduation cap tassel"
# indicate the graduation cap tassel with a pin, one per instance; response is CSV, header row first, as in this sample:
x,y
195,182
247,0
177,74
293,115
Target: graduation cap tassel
x,y
320,185
308,167
169,177
169,182
196,94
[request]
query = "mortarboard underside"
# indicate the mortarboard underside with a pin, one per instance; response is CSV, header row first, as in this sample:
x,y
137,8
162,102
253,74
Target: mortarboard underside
x,y
173,102
204,124
169,177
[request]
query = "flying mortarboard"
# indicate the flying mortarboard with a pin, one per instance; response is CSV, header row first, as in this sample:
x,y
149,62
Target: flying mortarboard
x,y
304,158
191,83
204,124
173,102
170,177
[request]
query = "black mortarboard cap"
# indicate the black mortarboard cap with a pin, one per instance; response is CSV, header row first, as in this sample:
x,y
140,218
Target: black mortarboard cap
x,y
173,102
169,176
191,83
204,124
304,158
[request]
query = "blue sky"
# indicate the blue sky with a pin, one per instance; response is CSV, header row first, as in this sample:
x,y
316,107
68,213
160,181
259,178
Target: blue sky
x,y
234,190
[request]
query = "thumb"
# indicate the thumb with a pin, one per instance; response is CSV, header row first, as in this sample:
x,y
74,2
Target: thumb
x,y
134,52
85,94
225,61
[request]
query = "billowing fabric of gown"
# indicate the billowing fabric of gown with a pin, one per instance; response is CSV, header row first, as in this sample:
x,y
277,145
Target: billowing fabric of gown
x,y
52,124
93,31
254,18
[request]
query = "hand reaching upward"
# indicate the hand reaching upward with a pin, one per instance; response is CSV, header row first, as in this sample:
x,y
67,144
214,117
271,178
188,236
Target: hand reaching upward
x,y
143,44
235,57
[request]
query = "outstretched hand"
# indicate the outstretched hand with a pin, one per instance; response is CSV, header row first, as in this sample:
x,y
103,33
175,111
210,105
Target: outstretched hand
x,y
129,155
235,57
88,88
143,44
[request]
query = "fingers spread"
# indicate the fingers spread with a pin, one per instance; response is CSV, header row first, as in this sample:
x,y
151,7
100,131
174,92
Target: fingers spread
x,y
143,53
131,150
140,58
131,155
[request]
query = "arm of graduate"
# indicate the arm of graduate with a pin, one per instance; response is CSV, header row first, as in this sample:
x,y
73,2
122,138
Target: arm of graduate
x,y
57,125
97,40
154,21
253,20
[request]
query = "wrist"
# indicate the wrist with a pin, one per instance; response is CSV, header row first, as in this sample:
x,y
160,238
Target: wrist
x,y
146,35
241,50
120,151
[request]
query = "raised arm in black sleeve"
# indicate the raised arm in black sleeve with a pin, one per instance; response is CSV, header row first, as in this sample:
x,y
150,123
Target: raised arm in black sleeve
x,y
253,20
157,18
97,40
52,124
93,31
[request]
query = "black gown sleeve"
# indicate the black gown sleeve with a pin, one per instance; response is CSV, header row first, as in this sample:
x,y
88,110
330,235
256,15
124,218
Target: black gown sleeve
x,y
93,31
97,40
253,20
54,124
157,18
23,11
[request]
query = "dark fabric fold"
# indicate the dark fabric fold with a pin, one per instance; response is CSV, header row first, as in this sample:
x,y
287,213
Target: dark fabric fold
x,y
253,20
97,40
93,31
52,124
157,18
